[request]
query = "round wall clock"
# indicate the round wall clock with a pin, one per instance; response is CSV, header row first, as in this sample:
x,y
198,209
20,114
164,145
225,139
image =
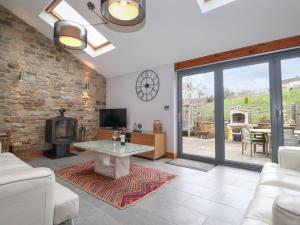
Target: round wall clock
x,y
147,85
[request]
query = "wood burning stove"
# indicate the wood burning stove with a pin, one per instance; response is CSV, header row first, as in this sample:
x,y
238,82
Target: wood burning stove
x,y
60,132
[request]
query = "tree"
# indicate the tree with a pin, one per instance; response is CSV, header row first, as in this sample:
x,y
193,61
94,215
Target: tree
x,y
192,95
228,93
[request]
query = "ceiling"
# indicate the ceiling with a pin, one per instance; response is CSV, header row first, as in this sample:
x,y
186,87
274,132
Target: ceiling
x,y
176,30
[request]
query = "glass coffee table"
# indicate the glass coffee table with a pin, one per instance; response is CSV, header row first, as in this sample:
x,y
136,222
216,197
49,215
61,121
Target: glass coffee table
x,y
113,159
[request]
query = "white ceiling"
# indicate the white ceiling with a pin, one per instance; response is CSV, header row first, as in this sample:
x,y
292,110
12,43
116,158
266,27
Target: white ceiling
x,y
176,30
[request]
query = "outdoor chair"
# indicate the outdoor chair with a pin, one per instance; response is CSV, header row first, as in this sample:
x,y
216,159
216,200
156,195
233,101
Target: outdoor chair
x,y
252,139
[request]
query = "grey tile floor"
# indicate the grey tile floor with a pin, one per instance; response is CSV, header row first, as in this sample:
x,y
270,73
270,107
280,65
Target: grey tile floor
x,y
217,197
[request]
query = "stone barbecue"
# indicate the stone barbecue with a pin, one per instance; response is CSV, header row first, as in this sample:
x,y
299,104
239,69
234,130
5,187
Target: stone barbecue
x,y
239,117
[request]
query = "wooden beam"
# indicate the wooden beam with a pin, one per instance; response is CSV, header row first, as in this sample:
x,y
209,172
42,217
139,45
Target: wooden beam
x,y
262,48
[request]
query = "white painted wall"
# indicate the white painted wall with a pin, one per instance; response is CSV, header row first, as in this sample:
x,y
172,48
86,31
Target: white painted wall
x,y
121,94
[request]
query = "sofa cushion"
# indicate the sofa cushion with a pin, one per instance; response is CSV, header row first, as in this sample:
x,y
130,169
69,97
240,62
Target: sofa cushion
x,y
275,168
66,204
9,161
289,157
260,209
269,191
286,210
280,180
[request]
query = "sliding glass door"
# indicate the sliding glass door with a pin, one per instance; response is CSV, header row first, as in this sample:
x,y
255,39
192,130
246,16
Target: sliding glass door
x,y
240,112
247,119
198,115
290,85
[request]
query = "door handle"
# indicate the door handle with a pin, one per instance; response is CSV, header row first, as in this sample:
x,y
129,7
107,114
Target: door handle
x,y
278,113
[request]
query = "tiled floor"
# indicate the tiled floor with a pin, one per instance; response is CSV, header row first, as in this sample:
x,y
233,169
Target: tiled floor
x,y
217,197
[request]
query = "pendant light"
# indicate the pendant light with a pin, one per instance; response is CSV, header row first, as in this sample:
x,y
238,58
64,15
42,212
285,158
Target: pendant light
x,y
123,12
70,35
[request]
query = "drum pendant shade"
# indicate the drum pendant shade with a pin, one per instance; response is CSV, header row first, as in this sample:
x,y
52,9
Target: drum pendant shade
x,y
70,35
123,12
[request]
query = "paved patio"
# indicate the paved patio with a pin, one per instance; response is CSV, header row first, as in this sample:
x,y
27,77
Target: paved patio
x,y
233,150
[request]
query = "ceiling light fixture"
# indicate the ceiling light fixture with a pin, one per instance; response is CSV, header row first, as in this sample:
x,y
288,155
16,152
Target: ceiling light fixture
x,y
70,35
123,12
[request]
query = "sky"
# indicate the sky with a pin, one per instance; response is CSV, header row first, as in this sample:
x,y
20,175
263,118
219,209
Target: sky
x,y
247,78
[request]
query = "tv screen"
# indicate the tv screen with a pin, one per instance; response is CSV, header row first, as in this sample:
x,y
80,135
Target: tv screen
x,y
113,118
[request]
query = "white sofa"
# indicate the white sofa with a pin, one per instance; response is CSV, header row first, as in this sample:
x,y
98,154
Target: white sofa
x,y
31,196
277,196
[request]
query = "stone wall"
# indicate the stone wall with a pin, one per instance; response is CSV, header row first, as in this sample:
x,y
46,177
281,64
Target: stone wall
x,y
53,79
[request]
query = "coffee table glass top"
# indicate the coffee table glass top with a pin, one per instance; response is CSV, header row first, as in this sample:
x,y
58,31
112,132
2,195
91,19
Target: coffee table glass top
x,y
113,148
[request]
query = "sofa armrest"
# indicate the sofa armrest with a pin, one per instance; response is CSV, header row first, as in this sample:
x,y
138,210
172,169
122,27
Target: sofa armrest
x,y
286,210
23,174
27,197
289,158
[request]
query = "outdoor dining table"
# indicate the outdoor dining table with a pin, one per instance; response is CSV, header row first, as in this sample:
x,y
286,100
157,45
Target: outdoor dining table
x,y
267,134
261,131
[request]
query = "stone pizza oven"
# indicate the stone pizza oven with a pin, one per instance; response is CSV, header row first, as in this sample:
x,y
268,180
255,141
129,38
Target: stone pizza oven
x,y
239,117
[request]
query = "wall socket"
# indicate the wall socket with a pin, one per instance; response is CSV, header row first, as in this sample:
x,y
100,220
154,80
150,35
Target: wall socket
x,y
166,107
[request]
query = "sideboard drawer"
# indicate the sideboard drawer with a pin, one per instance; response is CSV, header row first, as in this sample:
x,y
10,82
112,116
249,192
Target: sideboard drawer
x,y
142,139
104,134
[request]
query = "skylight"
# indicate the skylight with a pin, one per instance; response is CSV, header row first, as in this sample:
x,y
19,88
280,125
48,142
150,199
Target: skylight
x,y
208,5
61,10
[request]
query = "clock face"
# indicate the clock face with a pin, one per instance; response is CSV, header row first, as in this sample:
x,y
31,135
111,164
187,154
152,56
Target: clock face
x,y
147,85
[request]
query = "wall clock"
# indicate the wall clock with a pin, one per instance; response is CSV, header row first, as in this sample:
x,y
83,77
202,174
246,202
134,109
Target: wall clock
x,y
147,85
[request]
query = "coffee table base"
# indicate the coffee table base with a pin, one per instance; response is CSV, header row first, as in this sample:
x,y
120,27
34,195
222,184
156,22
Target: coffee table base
x,y
112,166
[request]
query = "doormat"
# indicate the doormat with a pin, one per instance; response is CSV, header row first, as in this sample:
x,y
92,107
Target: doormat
x,y
191,164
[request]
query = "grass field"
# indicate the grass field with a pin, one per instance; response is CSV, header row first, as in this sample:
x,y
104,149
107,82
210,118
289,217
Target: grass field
x,y
258,103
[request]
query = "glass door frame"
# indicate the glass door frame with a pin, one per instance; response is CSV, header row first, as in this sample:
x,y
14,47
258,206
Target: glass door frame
x,y
278,98
274,61
180,75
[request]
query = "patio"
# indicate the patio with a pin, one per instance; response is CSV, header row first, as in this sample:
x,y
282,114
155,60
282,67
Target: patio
x,y
233,150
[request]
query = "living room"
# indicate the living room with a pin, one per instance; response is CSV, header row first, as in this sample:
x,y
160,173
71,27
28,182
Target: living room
x,y
124,112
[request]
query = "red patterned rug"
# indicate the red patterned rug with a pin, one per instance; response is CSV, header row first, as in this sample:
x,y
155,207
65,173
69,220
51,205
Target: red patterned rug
x,y
122,192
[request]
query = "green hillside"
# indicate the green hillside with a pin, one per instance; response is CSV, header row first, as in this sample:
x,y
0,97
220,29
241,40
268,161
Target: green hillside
x,y
258,103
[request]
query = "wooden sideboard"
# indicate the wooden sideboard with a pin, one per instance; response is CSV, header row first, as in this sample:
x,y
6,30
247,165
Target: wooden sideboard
x,y
156,140
104,134
159,141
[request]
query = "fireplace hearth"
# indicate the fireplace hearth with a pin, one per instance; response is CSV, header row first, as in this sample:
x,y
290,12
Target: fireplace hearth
x,y
60,132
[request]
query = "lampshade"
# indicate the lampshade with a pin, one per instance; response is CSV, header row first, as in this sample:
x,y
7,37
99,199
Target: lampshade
x,y
69,34
123,12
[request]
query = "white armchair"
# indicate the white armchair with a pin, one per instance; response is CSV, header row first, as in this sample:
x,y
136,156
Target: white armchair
x,y
277,197
27,197
31,196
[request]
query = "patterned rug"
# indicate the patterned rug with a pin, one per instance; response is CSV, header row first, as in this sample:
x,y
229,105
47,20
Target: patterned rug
x,y
122,192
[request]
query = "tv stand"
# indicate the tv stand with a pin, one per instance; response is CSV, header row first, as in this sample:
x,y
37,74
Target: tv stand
x,y
143,138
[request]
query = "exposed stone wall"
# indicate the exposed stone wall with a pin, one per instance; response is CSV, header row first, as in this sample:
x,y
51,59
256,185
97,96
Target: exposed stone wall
x,y
53,79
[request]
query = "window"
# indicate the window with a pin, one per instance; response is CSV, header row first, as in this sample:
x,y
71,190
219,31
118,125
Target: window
x,y
61,10
208,5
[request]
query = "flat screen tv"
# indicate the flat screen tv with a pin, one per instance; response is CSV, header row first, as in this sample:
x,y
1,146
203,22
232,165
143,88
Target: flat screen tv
x,y
113,118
